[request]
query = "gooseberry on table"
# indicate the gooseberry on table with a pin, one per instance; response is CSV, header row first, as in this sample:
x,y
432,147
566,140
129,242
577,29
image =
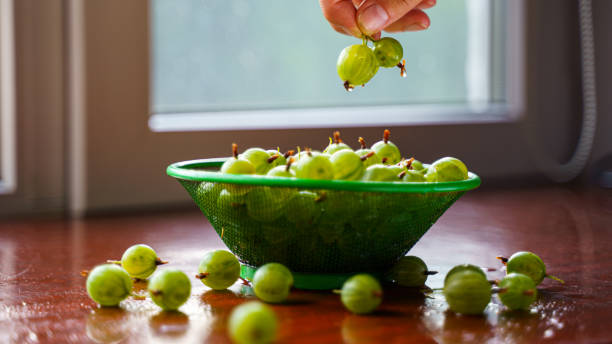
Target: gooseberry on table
x,y
361,294
467,292
108,284
409,271
219,269
139,261
517,291
272,282
252,323
464,267
529,264
169,289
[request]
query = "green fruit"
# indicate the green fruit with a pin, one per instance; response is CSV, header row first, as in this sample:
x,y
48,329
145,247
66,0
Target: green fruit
x,y
467,292
108,284
356,65
417,166
387,150
461,268
237,166
361,294
169,289
517,291
409,271
265,204
272,282
280,161
367,155
252,323
347,165
230,204
379,173
258,157
413,176
140,261
388,52
529,264
336,145
449,169
281,171
219,269
311,166
303,208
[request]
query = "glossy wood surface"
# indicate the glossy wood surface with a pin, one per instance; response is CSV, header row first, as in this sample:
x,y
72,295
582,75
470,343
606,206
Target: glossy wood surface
x,y
43,297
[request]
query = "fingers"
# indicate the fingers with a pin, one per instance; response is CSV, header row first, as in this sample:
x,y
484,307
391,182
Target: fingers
x,y
341,16
425,4
375,15
414,20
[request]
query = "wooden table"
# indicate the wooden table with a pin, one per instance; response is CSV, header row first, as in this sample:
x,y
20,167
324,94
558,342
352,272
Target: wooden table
x,y
43,298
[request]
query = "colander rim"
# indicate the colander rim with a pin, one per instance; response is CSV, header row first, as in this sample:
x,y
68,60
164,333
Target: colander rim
x,y
190,170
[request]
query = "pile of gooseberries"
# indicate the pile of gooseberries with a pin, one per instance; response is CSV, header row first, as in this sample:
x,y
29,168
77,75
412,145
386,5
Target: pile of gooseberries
x,y
358,63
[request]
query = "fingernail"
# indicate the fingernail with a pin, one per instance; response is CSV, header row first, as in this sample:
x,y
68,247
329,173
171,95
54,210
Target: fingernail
x,y
418,26
373,19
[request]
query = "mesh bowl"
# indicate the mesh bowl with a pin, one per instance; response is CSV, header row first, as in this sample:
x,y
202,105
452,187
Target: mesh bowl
x,y
322,230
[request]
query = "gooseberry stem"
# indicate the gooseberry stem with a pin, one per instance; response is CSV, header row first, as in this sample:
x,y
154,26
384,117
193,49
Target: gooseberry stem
x,y
402,67
202,275
429,273
235,150
366,156
386,135
337,291
116,262
337,137
408,163
555,278
289,162
245,281
272,158
402,174
84,273
158,261
156,292
289,153
504,260
362,142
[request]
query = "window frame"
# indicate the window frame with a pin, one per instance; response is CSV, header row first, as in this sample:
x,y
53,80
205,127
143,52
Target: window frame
x,y
8,144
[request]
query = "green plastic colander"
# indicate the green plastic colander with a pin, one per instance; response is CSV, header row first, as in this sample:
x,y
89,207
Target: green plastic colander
x,y
324,231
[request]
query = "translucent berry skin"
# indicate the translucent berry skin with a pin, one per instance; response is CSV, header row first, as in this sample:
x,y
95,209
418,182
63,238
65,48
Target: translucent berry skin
x,y
413,176
281,171
303,208
252,323
169,289
388,52
527,263
449,169
222,269
140,261
357,64
467,292
379,173
272,282
108,284
463,267
281,160
314,167
417,166
361,294
518,291
387,150
336,147
258,157
265,204
409,271
347,165
237,166
372,160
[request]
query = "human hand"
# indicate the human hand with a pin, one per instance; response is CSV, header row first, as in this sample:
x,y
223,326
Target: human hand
x,y
369,17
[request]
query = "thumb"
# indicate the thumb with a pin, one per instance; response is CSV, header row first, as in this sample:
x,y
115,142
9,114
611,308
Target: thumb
x,y
374,15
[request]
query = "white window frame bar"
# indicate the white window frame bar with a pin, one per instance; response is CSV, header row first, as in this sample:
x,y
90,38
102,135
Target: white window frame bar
x,y
8,147
477,109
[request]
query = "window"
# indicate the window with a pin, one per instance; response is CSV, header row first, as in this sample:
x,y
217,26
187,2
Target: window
x,y
8,163
215,61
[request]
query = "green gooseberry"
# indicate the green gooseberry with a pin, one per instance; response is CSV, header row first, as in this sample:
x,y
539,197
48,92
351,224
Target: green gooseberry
x,y
517,291
218,269
361,294
413,176
417,165
467,292
272,282
303,208
431,175
409,271
529,264
449,169
260,158
208,191
388,52
387,150
347,165
314,166
336,145
379,173
461,268
108,284
252,323
229,204
356,65
368,156
283,171
265,204
237,165
140,261
169,289
280,161
337,206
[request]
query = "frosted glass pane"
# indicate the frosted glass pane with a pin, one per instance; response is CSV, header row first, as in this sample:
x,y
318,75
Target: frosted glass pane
x,y
218,55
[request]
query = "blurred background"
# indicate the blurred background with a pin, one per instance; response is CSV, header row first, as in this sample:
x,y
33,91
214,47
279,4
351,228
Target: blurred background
x,y
97,97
